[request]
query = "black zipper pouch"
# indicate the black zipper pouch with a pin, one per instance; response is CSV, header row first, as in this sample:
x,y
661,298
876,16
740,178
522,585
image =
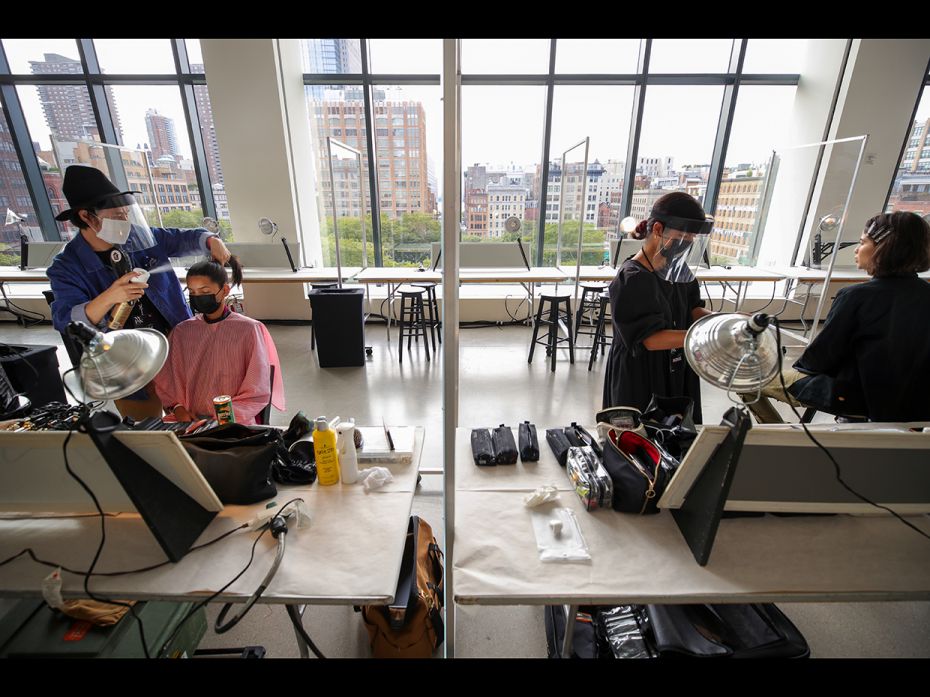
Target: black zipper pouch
x,y
482,449
572,435
529,445
586,438
505,447
559,443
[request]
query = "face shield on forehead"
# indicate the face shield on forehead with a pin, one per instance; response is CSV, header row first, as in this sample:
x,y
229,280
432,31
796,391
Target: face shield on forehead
x,y
684,242
124,224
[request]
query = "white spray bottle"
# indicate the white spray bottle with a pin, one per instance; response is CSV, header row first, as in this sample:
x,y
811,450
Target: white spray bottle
x,y
345,444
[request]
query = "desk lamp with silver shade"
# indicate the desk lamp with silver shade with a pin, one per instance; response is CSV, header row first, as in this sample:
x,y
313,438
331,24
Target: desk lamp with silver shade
x,y
113,366
820,250
511,225
269,228
738,354
211,225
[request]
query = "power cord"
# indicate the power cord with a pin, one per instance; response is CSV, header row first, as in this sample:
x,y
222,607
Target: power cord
x,y
103,528
110,574
103,539
278,524
27,317
771,300
297,621
278,527
528,317
836,466
209,599
710,299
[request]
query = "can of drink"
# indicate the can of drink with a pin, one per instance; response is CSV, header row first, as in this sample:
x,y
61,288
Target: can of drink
x,y
222,405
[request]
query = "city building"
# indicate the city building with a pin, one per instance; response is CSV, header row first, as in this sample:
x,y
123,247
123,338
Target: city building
x,y
162,137
476,213
911,193
655,166
574,184
400,147
504,201
13,191
67,108
917,152
735,219
331,55
207,127
642,202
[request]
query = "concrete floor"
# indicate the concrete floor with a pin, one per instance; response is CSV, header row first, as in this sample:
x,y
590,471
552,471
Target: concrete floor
x,y
496,386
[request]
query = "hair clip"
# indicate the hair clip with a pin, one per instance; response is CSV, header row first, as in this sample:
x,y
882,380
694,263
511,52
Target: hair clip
x,y
881,233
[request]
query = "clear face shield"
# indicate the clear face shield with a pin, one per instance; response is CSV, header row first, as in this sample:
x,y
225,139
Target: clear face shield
x,y
682,248
124,224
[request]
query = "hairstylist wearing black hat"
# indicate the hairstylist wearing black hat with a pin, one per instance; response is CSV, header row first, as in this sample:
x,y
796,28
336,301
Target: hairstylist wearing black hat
x,y
92,275
871,359
654,298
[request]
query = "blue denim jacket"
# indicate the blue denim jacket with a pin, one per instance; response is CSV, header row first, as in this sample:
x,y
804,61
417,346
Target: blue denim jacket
x,y
78,276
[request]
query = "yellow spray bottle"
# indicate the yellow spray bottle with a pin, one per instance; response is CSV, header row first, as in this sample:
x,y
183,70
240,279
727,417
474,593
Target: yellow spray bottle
x,y
324,449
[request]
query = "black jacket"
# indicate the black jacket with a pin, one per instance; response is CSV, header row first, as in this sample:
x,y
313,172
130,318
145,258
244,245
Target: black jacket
x,y
872,356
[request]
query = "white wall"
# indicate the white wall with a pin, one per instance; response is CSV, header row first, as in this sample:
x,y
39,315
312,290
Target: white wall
x,y
881,86
810,118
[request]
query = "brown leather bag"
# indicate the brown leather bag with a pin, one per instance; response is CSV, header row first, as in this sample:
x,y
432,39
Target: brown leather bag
x,y
411,627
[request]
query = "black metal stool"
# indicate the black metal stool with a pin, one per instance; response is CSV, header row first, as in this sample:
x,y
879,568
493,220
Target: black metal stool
x,y
588,308
412,318
433,306
602,338
555,315
317,286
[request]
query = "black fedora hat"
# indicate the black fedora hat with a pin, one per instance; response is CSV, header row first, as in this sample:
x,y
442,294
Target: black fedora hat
x,y
85,187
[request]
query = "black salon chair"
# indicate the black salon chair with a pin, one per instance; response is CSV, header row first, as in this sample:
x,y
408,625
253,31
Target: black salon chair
x,y
73,348
264,416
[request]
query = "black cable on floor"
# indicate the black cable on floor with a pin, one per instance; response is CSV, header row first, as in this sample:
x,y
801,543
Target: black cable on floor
x,y
103,539
296,620
211,598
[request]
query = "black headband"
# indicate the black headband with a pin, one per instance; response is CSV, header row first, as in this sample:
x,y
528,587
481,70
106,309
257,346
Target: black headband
x,y
692,225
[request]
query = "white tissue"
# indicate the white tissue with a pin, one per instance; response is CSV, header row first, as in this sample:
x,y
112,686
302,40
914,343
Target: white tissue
x,y
543,494
375,477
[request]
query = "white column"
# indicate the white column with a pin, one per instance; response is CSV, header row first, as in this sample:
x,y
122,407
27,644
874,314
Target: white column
x,y
451,215
256,92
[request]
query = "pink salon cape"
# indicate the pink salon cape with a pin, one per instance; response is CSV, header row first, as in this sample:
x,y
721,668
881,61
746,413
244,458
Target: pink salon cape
x,y
230,357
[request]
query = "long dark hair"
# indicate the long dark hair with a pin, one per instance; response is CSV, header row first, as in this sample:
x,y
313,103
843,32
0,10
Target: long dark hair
x,y
216,272
676,203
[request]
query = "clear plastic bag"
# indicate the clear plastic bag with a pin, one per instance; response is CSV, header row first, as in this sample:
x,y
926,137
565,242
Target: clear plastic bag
x,y
558,535
624,635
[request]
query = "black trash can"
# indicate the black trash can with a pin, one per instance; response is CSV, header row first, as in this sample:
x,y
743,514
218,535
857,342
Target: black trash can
x,y
339,325
33,371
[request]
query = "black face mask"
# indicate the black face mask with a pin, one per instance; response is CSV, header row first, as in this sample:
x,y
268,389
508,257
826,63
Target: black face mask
x,y
676,248
204,304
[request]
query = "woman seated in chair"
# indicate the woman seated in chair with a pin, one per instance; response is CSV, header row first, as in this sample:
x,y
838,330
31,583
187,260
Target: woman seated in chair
x,y
218,352
871,359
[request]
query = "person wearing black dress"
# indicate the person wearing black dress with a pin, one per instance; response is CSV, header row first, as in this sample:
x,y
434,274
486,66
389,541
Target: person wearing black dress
x,y
654,298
